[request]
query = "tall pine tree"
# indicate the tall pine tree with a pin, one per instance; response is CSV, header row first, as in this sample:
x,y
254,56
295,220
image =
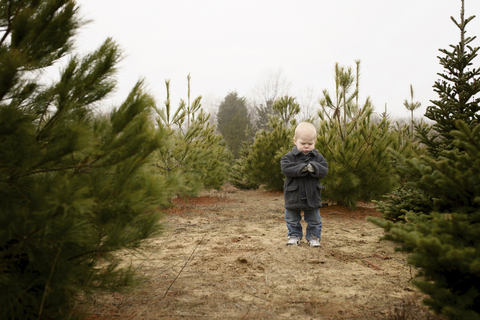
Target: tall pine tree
x,y
233,121
354,146
74,187
261,164
439,221
457,90
193,156
443,240
359,164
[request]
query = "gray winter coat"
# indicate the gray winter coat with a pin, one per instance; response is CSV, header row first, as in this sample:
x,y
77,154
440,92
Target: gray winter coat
x,y
302,190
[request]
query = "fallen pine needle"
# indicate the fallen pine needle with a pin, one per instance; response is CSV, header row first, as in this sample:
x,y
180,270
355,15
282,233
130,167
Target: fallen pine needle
x,y
378,256
373,265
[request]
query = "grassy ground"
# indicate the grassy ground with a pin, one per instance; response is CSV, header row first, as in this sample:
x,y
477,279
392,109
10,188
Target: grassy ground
x,y
223,256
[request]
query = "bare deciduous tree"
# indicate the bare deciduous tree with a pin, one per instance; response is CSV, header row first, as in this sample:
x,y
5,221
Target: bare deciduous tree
x,y
308,102
269,88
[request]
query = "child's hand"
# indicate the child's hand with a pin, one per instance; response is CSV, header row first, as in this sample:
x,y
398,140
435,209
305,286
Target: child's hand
x,y
310,168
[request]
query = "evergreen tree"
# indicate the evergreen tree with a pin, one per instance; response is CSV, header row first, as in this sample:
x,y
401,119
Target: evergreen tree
x,y
286,108
263,113
342,106
456,91
457,88
443,241
194,155
262,165
165,117
355,148
394,205
233,121
439,221
359,164
411,106
238,174
74,186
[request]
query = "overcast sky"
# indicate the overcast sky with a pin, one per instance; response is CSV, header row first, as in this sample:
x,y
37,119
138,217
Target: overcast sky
x,y
232,45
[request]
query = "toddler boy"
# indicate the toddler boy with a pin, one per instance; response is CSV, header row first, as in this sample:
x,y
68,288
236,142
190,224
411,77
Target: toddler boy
x,y
303,167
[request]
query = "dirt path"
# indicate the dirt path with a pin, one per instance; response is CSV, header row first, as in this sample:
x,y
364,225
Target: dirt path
x,y
223,256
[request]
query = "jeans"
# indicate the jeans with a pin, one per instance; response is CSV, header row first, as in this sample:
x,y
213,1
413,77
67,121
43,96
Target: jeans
x,y
311,216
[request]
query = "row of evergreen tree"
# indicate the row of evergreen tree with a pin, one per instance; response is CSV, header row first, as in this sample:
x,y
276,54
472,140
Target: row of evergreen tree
x,y
425,180
351,136
77,186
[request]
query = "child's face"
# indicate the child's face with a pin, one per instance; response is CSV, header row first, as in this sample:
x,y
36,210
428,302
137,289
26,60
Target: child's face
x,y
305,142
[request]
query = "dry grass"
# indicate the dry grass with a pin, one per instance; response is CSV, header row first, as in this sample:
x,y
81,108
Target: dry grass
x,y
224,257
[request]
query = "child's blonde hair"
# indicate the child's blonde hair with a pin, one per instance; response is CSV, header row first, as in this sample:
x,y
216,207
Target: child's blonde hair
x,y
305,126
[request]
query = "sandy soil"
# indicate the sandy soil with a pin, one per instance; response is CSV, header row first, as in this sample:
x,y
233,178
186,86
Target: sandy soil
x,y
223,256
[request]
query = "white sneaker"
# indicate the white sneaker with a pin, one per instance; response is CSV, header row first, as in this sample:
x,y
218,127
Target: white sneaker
x,y
314,243
293,241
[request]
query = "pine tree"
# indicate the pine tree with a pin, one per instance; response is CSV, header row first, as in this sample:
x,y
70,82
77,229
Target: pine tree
x,y
194,156
263,113
74,186
238,174
233,121
355,148
342,106
440,207
359,164
286,108
457,88
411,106
443,242
262,165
